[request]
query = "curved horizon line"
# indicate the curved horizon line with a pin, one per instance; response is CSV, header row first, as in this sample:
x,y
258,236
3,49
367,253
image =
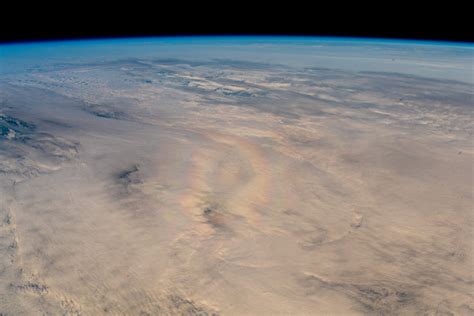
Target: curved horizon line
x,y
329,38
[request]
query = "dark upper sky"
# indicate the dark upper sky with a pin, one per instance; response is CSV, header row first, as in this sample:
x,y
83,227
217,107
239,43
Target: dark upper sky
x,y
388,21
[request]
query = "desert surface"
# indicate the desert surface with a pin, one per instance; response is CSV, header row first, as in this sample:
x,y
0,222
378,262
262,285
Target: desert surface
x,y
176,186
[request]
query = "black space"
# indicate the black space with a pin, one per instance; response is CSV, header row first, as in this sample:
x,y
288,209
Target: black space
x,y
390,21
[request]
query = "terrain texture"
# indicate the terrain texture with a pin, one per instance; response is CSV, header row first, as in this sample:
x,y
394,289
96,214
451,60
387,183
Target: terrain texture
x,y
176,187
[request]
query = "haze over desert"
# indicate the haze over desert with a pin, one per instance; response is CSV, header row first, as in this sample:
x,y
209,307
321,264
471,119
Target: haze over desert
x,y
151,185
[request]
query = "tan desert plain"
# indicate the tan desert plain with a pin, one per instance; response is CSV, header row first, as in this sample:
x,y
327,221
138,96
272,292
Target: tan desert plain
x,y
236,176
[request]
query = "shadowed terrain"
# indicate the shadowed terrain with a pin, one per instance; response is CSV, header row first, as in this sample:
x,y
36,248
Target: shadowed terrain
x,y
176,187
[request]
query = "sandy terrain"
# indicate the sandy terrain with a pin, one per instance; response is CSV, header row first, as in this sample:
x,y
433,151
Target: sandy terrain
x,y
169,188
